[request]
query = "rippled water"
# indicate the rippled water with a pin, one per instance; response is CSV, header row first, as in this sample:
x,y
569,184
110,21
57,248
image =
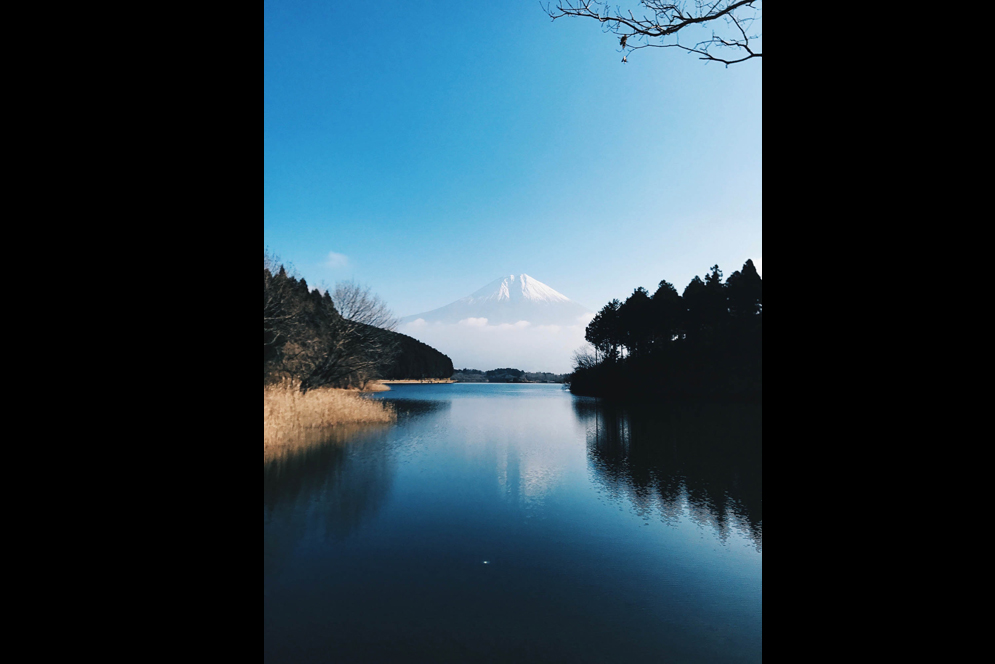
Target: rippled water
x,y
518,523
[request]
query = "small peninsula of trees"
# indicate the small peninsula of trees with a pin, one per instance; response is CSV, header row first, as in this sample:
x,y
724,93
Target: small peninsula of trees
x,y
705,342
342,339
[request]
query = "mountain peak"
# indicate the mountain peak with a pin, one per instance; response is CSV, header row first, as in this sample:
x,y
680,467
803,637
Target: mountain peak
x,y
514,288
509,299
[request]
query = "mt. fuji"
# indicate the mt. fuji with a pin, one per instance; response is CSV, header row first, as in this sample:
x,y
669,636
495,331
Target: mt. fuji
x,y
509,300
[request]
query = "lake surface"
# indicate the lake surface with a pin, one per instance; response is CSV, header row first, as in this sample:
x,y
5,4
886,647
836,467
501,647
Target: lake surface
x,y
518,523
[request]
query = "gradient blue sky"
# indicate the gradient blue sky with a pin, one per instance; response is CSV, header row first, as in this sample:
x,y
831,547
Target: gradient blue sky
x,y
427,148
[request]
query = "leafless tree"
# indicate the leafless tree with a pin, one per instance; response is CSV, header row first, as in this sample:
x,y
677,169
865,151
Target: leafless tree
x,y
356,303
659,23
359,341
585,357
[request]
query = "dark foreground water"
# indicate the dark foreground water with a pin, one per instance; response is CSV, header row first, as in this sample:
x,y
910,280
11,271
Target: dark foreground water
x,y
518,523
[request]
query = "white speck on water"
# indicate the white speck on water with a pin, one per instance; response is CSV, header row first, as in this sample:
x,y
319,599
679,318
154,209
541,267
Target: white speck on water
x,y
487,562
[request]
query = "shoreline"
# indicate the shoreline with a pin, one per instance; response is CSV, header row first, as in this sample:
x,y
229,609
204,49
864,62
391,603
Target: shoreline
x,y
426,380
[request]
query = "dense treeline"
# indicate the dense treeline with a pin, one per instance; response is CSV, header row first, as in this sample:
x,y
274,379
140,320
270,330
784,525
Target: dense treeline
x,y
469,376
508,375
309,340
544,377
705,342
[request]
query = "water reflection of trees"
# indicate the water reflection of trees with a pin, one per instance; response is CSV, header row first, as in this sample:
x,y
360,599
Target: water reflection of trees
x,y
326,483
322,489
344,474
412,408
702,460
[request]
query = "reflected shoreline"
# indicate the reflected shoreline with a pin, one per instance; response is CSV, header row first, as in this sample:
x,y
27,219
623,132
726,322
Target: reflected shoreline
x,y
702,461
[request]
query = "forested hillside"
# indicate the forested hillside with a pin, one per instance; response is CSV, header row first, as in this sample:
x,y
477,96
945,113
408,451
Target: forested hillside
x,y
315,341
417,360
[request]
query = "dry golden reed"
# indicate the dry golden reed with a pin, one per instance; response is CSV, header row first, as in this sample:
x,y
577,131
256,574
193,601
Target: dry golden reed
x,y
289,415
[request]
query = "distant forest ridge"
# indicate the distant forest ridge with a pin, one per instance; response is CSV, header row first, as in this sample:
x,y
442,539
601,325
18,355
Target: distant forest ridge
x,y
506,375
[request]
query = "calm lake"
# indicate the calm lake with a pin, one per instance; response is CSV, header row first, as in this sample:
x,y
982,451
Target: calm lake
x,y
518,523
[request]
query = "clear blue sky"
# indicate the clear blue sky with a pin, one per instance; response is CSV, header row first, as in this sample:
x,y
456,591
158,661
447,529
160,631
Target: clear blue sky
x,y
426,148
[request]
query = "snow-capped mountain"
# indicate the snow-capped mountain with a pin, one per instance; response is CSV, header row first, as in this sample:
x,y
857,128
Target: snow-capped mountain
x,y
509,300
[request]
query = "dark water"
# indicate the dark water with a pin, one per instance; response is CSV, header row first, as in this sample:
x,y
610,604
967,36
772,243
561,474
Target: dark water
x,y
518,523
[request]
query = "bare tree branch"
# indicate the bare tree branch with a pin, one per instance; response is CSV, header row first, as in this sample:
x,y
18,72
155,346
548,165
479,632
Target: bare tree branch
x,y
358,304
663,20
585,357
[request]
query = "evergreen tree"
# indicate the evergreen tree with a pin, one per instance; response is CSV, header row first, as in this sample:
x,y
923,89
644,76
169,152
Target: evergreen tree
x,y
603,332
695,299
635,319
668,312
745,292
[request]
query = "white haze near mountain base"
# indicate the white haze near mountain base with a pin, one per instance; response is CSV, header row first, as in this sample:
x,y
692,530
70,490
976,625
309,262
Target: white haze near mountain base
x,y
474,344
515,321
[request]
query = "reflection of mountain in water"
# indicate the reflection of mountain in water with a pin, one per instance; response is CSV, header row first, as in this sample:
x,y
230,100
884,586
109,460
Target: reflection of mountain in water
x,y
526,475
704,461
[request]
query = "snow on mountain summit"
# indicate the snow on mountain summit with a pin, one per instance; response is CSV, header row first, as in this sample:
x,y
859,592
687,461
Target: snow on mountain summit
x,y
509,299
516,288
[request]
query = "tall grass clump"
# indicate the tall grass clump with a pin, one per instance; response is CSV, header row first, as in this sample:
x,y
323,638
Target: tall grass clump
x,y
289,414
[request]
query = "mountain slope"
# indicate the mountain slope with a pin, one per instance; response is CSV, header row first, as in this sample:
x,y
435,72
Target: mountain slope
x,y
509,300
